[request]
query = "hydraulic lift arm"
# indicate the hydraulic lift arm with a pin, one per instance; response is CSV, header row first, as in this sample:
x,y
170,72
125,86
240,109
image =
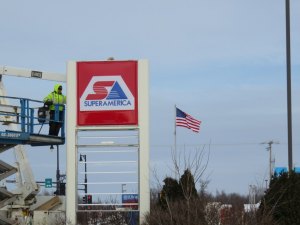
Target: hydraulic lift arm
x,y
27,188
11,71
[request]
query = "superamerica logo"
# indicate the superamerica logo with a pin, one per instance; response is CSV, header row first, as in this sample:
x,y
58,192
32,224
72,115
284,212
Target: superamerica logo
x,y
106,93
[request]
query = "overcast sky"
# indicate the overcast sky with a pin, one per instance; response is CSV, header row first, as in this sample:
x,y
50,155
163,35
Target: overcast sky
x,y
223,62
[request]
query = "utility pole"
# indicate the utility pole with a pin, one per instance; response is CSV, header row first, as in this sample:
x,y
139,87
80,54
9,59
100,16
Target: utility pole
x,y
269,148
83,159
57,172
252,194
289,85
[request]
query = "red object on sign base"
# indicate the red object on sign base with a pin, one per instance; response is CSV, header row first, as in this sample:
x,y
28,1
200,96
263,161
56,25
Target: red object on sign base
x,y
107,93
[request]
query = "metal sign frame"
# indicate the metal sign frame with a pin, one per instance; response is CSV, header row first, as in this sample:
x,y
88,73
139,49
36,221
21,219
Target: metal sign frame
x,y
143,129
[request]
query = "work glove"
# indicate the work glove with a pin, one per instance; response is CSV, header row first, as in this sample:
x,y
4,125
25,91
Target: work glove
x,y
48,103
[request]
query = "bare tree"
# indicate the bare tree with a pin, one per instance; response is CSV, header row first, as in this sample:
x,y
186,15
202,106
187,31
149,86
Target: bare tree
x,y
181,202
194,167
196,163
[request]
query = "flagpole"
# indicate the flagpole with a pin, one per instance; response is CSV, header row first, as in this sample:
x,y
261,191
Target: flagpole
x,y
175,143
175,133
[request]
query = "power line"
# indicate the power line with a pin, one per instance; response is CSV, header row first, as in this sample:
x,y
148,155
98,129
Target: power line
x,y
216,144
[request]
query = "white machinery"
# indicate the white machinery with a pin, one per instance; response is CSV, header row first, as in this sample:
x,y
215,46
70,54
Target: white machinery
x,y
26,187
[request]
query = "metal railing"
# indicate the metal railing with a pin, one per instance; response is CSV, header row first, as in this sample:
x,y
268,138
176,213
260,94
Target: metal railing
x,y
24,112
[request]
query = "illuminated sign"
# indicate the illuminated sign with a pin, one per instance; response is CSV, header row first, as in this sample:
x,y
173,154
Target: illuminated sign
x,y
130,200
107,93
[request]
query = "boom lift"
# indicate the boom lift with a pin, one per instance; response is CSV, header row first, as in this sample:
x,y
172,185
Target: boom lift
x,y
20,122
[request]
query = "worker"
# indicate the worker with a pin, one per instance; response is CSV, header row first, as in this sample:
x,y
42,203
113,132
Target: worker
x,y
55,98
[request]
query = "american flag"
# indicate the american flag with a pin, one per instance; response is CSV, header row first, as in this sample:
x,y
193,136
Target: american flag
x,y
185,120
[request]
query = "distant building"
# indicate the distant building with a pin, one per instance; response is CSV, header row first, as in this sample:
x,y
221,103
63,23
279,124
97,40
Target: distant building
x,y
279,170
251,207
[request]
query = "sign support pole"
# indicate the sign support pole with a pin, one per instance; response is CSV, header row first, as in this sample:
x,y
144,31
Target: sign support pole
x,y
143,84
71,186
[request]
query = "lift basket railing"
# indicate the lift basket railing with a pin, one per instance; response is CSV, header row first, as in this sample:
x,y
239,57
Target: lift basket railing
x,y
29,113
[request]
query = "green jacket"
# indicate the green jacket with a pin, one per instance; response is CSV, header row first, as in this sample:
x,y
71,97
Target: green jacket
x,y
56,98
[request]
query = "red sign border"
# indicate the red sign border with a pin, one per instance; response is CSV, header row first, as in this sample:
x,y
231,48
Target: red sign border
x,y
129,72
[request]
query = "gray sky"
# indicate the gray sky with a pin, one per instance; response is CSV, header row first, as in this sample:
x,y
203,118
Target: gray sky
x,y
223,62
